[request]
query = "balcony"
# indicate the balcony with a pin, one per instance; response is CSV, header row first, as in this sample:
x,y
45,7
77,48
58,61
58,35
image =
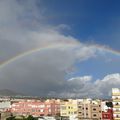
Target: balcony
x,y
116,106
116,112
116,100
116,118
116,94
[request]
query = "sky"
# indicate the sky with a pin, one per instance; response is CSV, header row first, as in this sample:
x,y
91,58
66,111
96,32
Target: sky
x,y
66,48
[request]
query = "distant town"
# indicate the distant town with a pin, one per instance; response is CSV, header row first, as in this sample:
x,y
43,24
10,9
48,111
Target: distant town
x,y
60,109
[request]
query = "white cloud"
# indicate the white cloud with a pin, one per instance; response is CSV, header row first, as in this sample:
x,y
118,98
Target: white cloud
x,y
105,85
19,35
85,87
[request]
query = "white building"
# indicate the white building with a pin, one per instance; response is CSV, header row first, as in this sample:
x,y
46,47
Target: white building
x,y
73,117
5,105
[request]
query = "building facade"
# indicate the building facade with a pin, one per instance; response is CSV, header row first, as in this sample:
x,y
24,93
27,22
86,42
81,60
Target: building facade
x,y
5,115
81,109
107,115
116,103
89,109
69,108
5,106
84,109
96,112
36,108
107,110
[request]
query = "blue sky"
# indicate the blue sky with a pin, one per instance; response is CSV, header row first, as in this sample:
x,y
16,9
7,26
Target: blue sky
x,y
99,67
90,20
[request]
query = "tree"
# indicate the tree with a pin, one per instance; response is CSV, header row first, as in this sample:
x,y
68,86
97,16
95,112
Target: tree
x,y
10,118
109,104
30,117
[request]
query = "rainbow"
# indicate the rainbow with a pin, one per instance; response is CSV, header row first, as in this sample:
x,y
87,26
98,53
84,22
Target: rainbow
x,y
107,49
48,47
29,52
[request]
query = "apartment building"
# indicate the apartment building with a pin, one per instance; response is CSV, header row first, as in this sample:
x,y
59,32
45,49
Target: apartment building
x,y
107,110
5,115
69,108
36,108
5,106
89,109
96,112
84,109
107,115
116,103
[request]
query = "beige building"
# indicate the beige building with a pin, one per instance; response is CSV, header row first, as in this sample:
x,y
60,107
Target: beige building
x,y
89,109
116,103
5,115
96,112
84,108
81,109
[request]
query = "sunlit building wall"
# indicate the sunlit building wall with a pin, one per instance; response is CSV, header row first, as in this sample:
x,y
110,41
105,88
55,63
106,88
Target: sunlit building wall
x,y
84,108
96,109
116,103
68,108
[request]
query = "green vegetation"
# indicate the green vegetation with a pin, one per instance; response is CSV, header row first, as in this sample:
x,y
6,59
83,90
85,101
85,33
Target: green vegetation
x,y
30,117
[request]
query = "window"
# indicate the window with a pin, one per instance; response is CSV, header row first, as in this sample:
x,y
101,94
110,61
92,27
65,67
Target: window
x,y
41,110
63,107
72,113
63,113
117,116
79,106
94,115
116,97
117,109
94,109
48,105
42,106
117,104
33,110
49,110
75,112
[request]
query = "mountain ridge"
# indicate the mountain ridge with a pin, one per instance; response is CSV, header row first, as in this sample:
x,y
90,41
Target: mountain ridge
x,y
8,92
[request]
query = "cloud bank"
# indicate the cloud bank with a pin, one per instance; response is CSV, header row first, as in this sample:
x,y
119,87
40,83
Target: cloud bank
x,y
23,26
